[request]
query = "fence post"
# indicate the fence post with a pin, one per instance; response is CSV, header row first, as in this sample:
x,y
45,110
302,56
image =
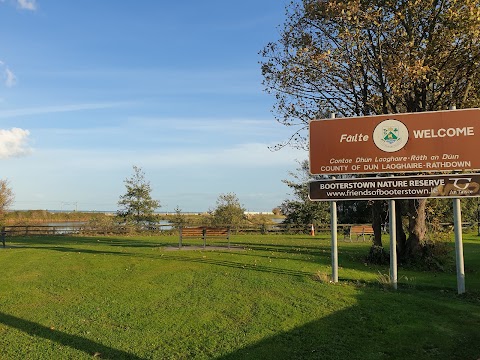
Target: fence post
x,y
204,234
228,236
180,228
3,233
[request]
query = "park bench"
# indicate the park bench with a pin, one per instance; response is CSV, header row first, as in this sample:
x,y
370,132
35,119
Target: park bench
x,y
203,233
361,230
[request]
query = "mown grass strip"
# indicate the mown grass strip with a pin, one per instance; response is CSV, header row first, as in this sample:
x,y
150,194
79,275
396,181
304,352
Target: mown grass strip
x,y
138,298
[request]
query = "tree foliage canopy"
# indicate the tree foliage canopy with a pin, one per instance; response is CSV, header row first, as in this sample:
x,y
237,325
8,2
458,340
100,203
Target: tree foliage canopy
x,y
6,196
359,57
136,204
228,211
300,210
367,57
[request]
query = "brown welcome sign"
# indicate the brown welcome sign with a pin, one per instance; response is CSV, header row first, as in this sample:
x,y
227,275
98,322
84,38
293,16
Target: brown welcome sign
x,y
414,142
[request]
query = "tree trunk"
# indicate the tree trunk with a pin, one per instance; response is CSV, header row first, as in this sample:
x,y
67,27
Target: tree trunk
x,y
377,223
401,236
416,227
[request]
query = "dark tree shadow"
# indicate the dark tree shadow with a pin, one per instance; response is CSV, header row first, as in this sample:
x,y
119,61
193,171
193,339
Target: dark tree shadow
x,y
61,240
346,334
172,256
351,333
75,342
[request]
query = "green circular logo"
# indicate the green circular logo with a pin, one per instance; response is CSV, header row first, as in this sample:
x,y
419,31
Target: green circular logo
x,y
390,135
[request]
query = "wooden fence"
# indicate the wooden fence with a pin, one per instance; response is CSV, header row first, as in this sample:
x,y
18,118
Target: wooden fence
x,y
85,229
166,229
27,230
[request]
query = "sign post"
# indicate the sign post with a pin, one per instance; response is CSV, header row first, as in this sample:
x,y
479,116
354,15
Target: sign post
x,y
459,246
334,234
423,142
398,187
393,243
396,143
334,250
478,219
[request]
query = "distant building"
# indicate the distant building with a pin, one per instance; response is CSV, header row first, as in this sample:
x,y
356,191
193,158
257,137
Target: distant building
x,y
258,213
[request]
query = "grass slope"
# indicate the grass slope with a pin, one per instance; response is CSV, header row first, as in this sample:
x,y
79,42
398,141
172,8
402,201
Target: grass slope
x,y
134,298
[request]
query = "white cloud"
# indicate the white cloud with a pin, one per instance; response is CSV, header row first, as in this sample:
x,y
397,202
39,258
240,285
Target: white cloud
x,y
244,156
14,142
27,4
56,109
10,78
259,128
8,75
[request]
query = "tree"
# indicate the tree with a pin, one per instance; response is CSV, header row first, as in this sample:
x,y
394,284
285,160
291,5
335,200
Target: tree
x,y
440,211
277,211
178,219
358,58
300,210
228,211
6,197
137,205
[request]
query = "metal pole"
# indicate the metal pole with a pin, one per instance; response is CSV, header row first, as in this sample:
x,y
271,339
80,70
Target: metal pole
x,y
333,227
478,219
457,214
393,243
457,223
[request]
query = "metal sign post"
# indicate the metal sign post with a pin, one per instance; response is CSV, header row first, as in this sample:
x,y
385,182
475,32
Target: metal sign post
x,y
334,233
333,226
426,142
393,243
457,224
457,214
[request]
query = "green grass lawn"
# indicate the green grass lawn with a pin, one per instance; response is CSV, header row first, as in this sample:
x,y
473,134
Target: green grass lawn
x,y
136,298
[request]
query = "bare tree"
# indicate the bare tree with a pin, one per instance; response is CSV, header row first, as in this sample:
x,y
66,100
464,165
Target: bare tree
x,y
6,197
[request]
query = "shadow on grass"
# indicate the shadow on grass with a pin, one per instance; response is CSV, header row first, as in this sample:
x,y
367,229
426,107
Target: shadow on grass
x,y
79,250
381,325
348,254
89,347
385,325
59,240
171,257
320,249
236,265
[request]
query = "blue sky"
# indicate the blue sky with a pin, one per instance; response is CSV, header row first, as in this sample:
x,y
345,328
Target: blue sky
x,y
90,88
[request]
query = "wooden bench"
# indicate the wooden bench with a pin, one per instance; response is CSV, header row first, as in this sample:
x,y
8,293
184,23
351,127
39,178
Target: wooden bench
x,y
203,233
361,230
